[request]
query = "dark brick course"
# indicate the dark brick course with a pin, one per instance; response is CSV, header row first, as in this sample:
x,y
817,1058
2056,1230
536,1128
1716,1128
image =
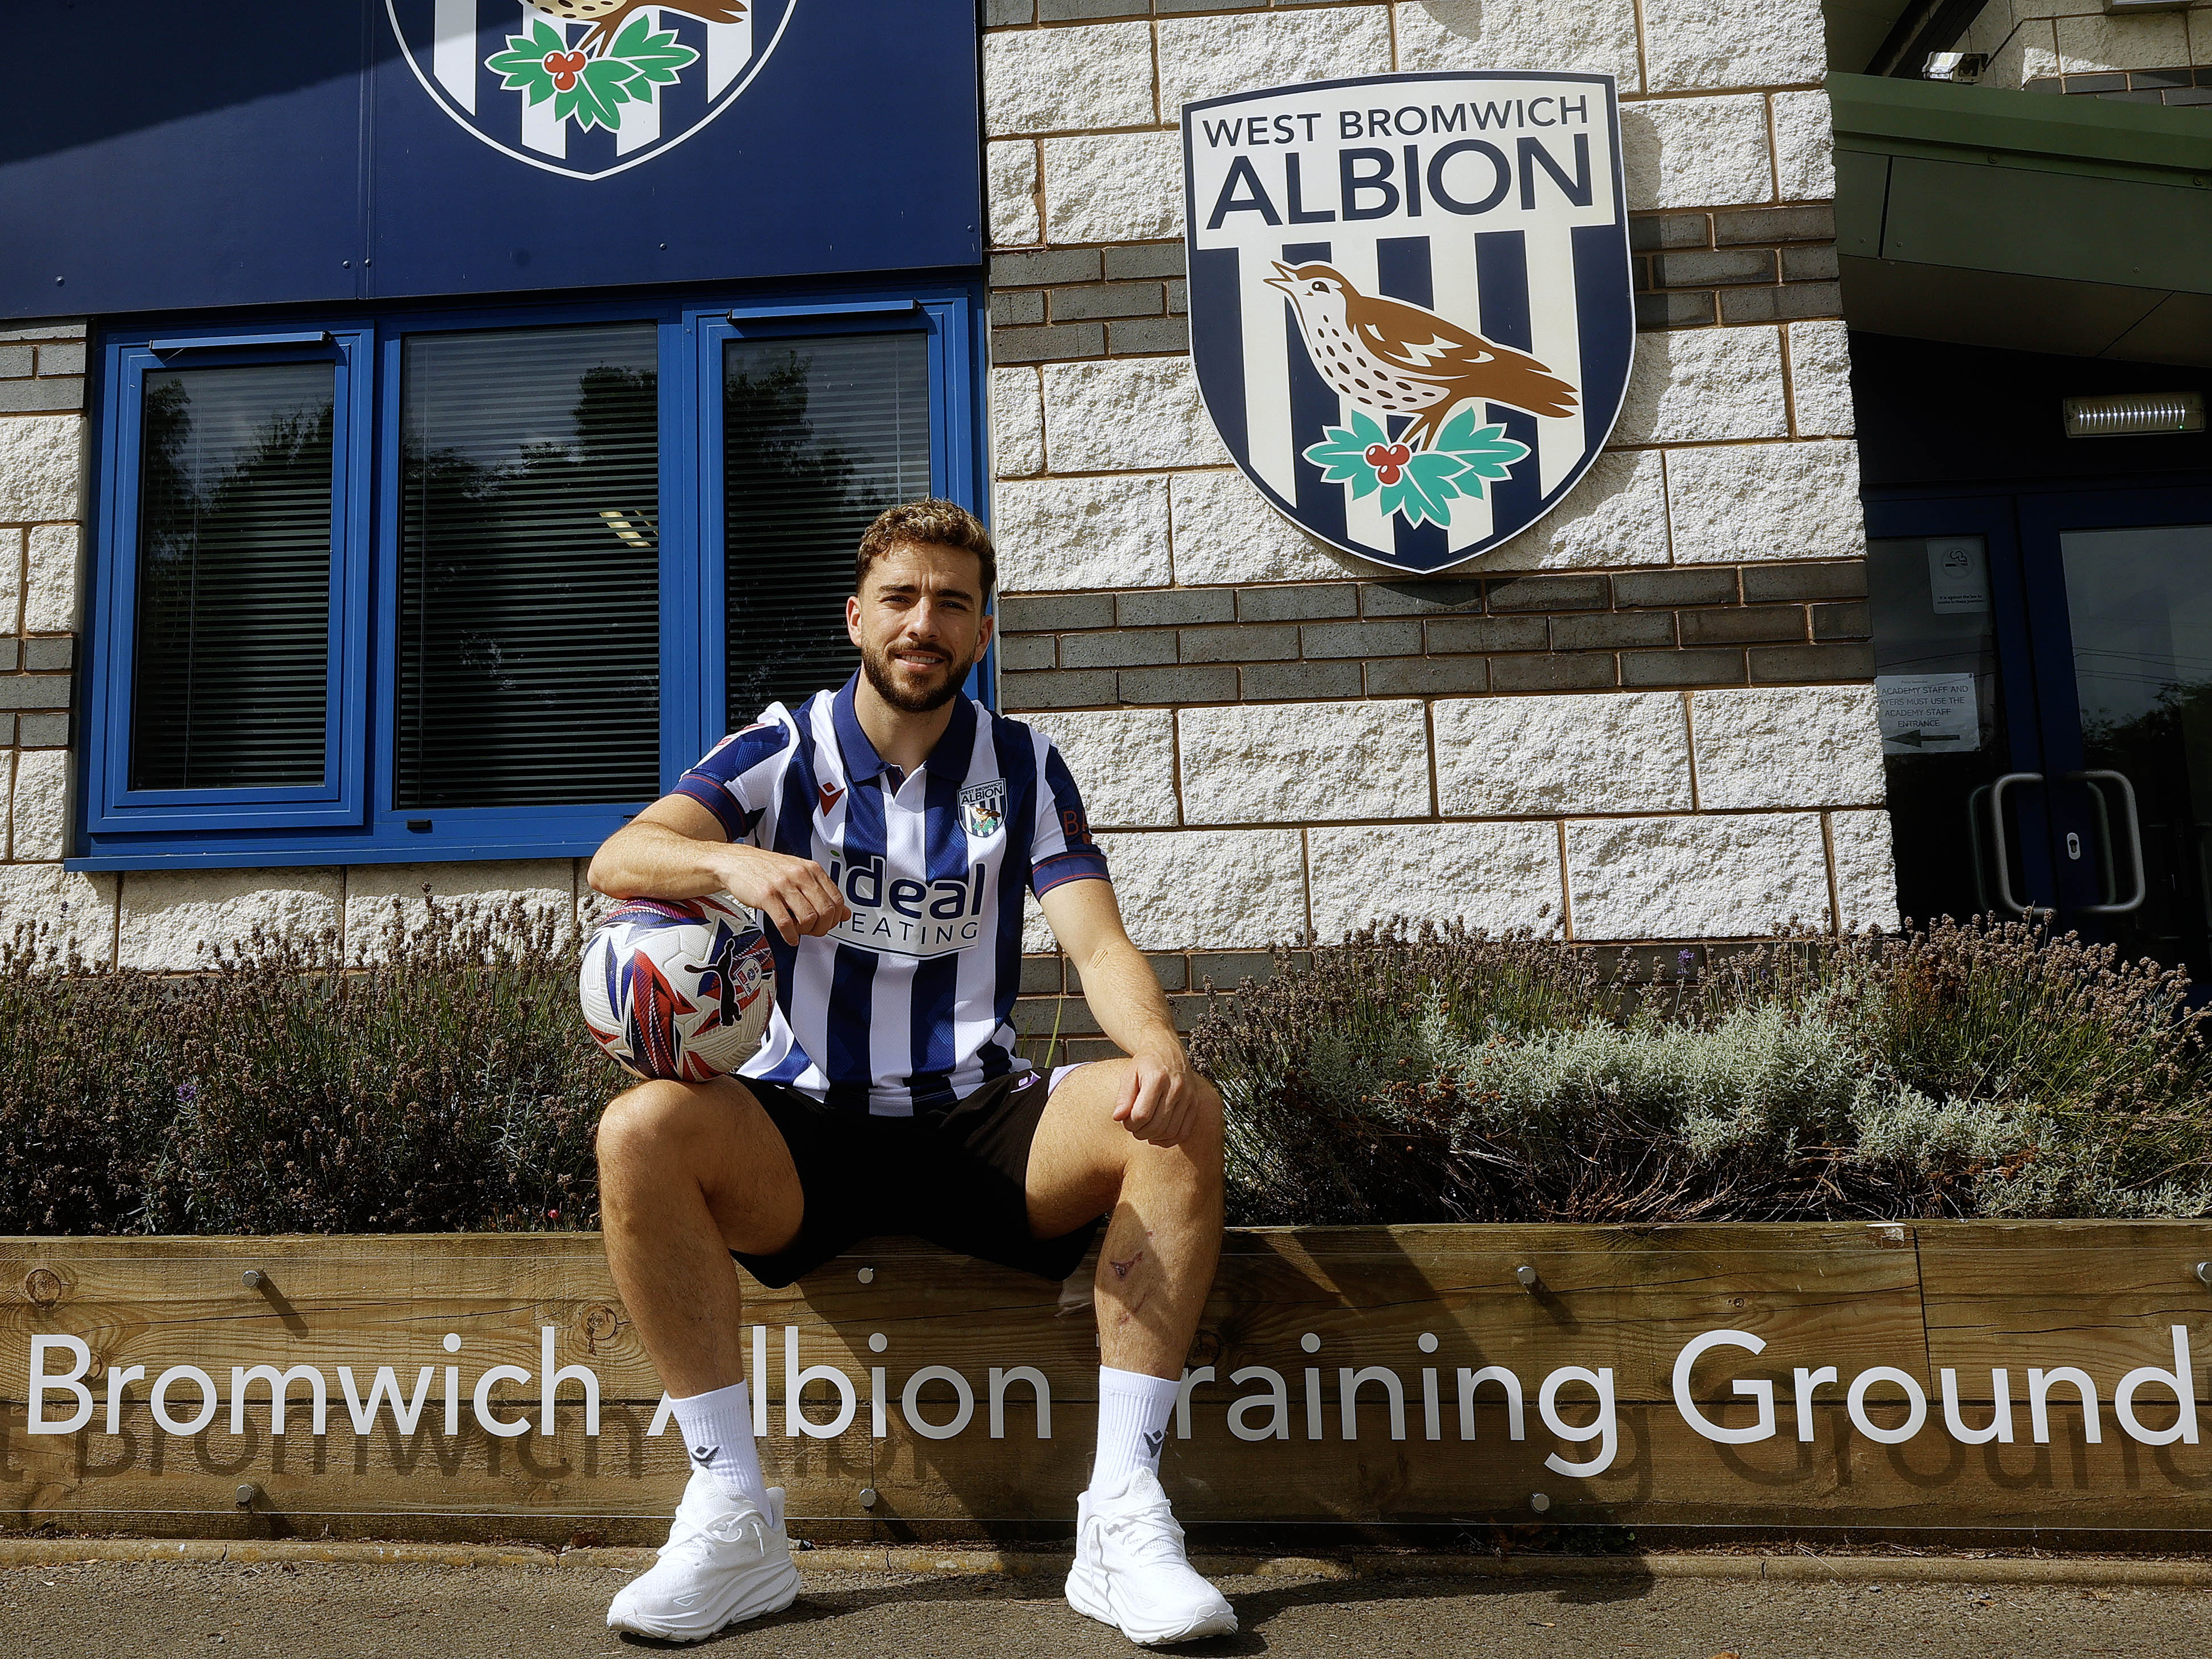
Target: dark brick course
x,y
1461,636
1813,662
1160,607
1735,265
1267,643
1362,639
1299,682
1657,668
1297,603
1757,623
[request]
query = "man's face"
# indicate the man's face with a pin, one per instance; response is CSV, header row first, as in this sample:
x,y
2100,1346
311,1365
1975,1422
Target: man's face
x,y
919,623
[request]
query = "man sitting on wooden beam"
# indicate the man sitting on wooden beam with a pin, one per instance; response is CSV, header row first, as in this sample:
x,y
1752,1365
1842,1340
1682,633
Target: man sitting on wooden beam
x,y
888,1098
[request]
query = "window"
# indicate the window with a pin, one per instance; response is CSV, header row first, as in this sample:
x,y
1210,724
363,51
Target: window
x,y
480,586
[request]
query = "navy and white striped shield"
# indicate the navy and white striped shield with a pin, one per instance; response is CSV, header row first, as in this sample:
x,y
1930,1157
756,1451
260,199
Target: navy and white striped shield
x,y
586,87
1410,300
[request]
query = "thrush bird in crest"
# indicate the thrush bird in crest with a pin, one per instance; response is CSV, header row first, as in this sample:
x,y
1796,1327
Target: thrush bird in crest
x,y
606,16
1396,358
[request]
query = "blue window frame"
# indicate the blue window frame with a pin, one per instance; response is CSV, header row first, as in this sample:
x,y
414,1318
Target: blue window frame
x,y
259,801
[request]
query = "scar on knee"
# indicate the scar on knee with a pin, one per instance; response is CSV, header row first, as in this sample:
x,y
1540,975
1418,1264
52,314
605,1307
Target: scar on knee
x,y
1121,1269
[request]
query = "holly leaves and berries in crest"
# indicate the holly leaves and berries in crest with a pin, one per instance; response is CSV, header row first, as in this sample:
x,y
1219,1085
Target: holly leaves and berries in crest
x,y
1421,483
587,88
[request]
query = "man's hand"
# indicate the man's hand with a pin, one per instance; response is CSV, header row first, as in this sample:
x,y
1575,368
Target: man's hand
x,y
1158,1103
793,895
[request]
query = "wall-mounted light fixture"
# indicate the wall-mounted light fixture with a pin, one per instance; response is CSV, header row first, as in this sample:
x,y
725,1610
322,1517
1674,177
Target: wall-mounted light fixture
x,y
1964,66
2135,414
2129,7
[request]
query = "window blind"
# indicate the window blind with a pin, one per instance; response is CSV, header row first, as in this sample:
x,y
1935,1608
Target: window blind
x,y
528,583
819,435
229,682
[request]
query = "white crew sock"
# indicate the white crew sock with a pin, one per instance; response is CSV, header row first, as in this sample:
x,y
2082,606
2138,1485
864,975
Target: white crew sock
x,y
1132,1426
717,1433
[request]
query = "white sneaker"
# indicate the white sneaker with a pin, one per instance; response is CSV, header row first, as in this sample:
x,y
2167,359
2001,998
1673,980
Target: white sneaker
x,y
1130,1571
725,1560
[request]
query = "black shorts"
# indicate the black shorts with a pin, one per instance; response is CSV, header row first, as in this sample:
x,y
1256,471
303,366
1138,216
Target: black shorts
x,y
954,1177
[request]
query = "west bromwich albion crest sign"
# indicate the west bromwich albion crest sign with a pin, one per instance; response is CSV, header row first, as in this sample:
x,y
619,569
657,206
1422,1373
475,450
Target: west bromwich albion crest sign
x,y
1410,300
586,87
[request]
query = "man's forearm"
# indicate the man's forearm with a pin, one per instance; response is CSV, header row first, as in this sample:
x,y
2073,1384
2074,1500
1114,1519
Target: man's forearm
x,y
650,860
1126,999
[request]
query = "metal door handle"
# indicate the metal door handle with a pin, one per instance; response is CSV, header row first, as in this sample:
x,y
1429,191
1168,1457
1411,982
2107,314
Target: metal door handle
x,y
2135,841
1997,836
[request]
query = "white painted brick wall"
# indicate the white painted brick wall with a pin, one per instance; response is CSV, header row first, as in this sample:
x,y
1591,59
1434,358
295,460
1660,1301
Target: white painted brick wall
x,y
1615,516
1068,80
1814,745
1820,379
1226,532
377,894
1011,177
1866,873
1017,423
1208,57
40,812
38,466
1123,761
1704,385
1804,147
1741,502
1115,187
174,921
1589,36
1494,877
1125,414
72,909
12,578
1587,752
1305,762
1691,44
1224,889
1726,877
1696,152
1083,532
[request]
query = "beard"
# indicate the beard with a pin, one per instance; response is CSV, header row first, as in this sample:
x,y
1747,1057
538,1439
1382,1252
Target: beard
x,y
877,666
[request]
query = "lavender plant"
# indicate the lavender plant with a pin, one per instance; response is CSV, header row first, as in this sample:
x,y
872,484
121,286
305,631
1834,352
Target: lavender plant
x,y
1962,1070
440,1081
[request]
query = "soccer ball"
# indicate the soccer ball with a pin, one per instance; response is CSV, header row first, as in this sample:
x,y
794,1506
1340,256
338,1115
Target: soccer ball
x,y
678,987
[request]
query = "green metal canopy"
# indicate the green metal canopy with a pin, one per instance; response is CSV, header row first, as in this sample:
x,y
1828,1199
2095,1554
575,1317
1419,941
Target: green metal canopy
x,y
2078,225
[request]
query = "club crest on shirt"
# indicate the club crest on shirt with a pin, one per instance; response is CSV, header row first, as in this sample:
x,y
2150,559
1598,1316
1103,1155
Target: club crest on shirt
x,y
983,808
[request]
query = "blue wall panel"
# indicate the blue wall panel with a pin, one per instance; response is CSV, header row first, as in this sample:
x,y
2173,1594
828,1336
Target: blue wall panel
x,y
259,153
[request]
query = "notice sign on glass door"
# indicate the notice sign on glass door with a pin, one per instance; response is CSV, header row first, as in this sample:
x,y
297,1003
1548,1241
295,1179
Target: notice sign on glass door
x,y
1928,714
1958,575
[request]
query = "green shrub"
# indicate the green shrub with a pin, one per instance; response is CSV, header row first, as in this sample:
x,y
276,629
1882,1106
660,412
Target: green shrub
x,y
1967,1070
448,1084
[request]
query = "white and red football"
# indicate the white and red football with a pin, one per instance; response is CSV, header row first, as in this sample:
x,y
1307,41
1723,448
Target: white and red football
x,y
678,987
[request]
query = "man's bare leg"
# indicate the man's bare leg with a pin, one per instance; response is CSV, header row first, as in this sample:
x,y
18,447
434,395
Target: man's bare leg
x,y
1155,1268
688,1172
1163,1242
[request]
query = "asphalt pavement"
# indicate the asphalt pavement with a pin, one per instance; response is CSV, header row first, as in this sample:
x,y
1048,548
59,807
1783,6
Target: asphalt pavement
x,y
127,1610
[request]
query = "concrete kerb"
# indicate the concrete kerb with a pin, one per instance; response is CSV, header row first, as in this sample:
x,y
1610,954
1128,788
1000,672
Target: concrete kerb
x,y
2016,1570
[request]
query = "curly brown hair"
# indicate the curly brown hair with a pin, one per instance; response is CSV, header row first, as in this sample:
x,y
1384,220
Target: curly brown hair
x,y
931,523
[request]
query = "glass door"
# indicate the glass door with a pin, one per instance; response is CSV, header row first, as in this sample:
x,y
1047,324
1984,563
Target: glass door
x,y
1958,708
2128,715
2044,671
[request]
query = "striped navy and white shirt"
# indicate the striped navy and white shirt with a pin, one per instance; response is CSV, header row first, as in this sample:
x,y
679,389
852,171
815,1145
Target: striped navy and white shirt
x,y
907,1004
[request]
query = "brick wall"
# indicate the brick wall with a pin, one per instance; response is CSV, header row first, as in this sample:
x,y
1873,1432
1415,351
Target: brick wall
x,y
1648,718
2074,46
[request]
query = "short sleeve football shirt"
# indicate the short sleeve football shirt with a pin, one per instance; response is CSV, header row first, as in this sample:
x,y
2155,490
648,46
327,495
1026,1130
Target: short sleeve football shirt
x,y
908,1003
